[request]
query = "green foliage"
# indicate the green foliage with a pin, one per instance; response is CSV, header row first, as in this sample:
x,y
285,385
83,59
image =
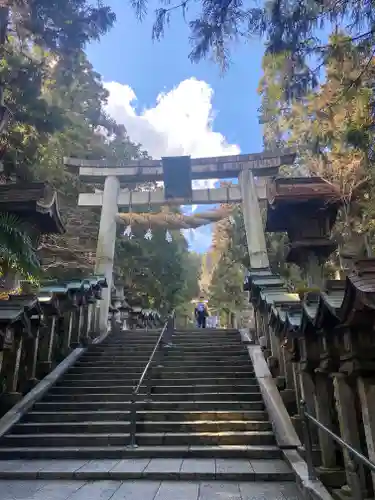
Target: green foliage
x,y
296,27
16,246
38,40
224,268
226,286
330,126
164,274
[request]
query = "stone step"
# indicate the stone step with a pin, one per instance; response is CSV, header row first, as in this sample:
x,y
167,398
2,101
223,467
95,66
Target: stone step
x,y
156,389
177,347
179,469
177,344
154,332
174,376
87,381
149,415
143,439
259,452
168,357
172,371
143,426
231,364
200,357
177,340
166,406
199,396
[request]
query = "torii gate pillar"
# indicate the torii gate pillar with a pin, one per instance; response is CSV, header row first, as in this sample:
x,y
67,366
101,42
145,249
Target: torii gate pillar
x,y
256,241
106,244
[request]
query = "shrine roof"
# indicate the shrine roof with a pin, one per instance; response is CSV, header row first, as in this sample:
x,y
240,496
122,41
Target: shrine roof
x,y
29,303
279,297
58,289
301,189
270,281
10,313
350,302
36,203
279,313
23,307
310,307
294,318
359,300
98,280
334,293
76,285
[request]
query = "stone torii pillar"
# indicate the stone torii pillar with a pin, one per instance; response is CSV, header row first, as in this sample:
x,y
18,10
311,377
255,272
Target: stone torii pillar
x,y
105,250
256,241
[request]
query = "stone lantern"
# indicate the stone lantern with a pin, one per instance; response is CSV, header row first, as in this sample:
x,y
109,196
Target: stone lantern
x,y
34,315
19,324
292,202
50,304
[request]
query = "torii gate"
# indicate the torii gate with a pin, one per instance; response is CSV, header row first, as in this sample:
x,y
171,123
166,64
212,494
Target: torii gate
x,y
252,171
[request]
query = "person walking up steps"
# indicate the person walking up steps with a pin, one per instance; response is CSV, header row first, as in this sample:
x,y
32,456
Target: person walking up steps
x,y
201,314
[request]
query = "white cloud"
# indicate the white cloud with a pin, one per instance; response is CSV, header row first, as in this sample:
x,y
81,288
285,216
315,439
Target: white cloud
x,y
180,123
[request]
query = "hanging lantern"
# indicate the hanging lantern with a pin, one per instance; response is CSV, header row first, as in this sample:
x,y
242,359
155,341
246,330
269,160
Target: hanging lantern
x,y
168,237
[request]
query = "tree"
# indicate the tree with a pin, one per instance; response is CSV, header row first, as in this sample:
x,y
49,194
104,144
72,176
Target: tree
x,y
37,39
89,133
164,274
226,287
225,273
293,26
331,128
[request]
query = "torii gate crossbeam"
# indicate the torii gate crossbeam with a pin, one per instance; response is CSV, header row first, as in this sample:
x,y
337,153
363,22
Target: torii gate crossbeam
x,y
128,198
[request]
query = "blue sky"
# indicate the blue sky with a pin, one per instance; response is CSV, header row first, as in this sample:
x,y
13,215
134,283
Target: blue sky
x,y
201,113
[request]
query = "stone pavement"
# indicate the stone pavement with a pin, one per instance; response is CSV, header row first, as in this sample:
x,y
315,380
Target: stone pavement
x,y
145,490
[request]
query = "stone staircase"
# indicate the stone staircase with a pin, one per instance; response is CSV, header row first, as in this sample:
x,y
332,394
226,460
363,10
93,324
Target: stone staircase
x,y
206,408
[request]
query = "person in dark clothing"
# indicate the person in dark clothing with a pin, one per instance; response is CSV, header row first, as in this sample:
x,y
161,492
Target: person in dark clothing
x,y
201,314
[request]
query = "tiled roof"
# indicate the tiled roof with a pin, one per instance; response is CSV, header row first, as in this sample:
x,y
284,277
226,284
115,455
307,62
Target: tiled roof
x,y
35,203
350,301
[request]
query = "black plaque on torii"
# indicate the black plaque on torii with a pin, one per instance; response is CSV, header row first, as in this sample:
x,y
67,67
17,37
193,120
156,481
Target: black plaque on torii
x,y
177,177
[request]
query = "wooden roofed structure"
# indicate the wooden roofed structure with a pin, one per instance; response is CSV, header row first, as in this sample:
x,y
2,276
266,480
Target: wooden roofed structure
x,y
35,203
292,201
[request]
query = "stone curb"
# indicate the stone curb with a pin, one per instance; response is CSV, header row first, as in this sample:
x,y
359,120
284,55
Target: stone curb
x,y
286,436
18,410
152,476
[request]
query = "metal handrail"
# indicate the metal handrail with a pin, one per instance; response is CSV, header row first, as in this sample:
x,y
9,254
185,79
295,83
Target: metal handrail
x,y
355,455
168,327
